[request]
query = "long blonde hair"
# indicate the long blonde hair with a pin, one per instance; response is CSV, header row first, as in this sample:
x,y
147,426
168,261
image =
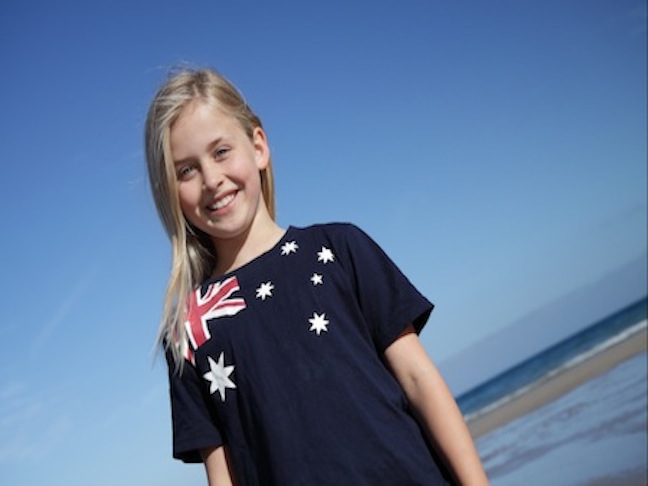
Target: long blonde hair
x,y
194,256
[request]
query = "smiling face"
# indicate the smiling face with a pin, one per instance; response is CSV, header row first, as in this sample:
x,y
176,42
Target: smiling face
x,y
217,168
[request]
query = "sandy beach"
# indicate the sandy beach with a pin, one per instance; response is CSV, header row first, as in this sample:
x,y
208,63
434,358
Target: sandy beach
x,y
560,384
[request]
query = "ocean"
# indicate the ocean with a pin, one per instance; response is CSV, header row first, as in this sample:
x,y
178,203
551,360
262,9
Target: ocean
x,y
595,434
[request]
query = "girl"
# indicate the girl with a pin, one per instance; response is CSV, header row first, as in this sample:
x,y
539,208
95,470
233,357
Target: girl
x,y
293,353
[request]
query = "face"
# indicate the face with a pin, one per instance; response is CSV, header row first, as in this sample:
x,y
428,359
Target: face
x,y
217,168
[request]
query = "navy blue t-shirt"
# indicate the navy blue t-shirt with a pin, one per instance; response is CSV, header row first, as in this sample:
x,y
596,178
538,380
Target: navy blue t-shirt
x,y
286,366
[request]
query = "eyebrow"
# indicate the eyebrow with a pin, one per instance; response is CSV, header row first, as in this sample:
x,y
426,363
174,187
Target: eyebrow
x,y
214,143
210,146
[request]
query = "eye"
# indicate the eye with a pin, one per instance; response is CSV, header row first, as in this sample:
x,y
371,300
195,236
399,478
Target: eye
x,y
184,172
221,152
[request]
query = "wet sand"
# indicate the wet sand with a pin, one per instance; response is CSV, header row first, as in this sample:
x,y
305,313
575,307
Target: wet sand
x,y
560,384
634,477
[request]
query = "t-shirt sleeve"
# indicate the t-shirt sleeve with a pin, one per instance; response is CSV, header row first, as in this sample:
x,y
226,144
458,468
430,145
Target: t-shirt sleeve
x,y
387,298
193,426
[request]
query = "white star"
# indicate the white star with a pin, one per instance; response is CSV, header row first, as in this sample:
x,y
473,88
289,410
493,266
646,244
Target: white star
x,y
265,290
318,323
325,255
317,279
289,247
218,377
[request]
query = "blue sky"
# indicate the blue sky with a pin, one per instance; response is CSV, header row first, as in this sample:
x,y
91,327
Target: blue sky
x,y
496,150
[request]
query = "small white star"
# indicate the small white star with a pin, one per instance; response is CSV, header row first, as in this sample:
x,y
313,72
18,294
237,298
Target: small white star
x,y
325,256
218,376
289,247
317,279
318,323
265,290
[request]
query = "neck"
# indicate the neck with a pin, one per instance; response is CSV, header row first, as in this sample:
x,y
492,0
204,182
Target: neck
x,y
235,252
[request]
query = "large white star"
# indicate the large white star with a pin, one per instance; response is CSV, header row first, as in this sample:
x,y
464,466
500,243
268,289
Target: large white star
x,y
317,279
325,256
289,247
265,290
318,323
218,377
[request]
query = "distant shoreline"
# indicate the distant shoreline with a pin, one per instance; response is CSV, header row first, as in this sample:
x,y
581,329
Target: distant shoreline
x,y
560,384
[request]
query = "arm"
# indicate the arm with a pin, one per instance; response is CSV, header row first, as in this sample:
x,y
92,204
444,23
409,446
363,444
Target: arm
x,y
435,407
216,466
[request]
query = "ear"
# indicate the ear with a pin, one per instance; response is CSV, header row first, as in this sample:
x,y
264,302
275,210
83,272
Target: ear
x,y
261,148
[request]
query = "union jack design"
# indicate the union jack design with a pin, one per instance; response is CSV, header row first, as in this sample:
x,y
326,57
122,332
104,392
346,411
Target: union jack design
x,y
217,302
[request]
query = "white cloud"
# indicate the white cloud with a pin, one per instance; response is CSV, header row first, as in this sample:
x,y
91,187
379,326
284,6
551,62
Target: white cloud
x,y
29,425
62,312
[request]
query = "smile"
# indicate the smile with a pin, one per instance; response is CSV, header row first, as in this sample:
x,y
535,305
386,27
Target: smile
x,y
222,202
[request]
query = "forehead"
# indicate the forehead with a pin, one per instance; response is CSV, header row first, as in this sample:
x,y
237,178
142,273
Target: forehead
x,y
200,111
199,125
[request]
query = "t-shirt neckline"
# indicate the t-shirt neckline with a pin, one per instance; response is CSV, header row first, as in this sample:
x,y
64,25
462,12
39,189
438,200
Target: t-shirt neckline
x,y
255,261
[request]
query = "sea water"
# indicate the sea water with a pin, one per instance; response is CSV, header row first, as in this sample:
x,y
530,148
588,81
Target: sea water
x,y
568,352
595,434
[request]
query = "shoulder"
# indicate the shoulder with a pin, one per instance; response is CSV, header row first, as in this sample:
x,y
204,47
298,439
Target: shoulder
x,y
345,239
334,231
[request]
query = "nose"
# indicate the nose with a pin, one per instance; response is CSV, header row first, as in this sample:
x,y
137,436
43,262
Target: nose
x,y
212,176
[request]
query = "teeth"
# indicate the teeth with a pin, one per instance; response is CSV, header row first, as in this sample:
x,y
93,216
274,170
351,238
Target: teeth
x,y
221,203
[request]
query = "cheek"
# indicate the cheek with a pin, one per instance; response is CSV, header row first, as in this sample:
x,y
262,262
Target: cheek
x,y
189,198
253,175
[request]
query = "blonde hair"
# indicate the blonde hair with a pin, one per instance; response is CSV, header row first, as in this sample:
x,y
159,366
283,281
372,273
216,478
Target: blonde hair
x,y
194,256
